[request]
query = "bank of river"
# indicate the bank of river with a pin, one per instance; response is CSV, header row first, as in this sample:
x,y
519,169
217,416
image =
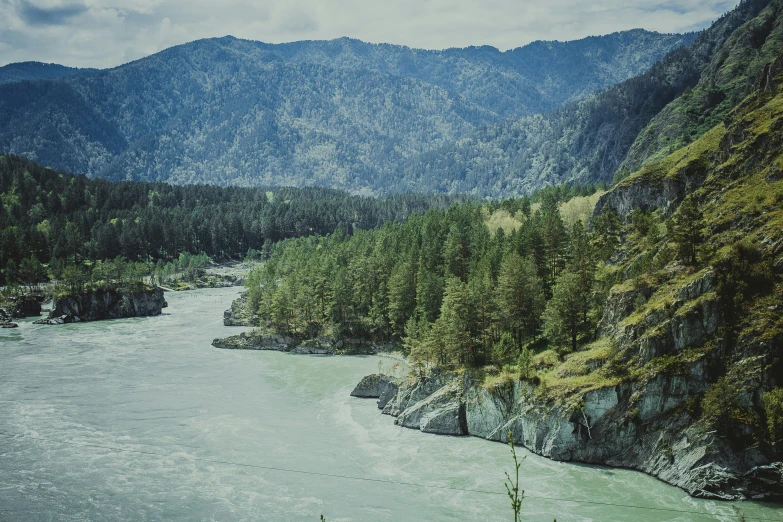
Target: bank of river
x,y
141,419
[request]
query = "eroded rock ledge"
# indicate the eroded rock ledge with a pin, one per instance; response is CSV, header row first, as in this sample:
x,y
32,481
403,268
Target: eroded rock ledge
x,y
599,432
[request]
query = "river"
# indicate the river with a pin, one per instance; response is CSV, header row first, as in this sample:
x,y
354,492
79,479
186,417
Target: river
x,y
141,419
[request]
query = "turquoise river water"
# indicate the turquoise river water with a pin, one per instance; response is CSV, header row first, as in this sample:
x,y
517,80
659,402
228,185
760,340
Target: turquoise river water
x,y
141,419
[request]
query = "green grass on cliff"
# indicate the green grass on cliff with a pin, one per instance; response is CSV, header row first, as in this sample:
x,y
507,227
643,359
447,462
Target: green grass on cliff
x,y
688,159
742,203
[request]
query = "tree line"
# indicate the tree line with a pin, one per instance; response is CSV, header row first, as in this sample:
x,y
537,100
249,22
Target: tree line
x,y
48,217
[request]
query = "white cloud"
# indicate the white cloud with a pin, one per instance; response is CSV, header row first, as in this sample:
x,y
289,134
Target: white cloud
x,y
105,33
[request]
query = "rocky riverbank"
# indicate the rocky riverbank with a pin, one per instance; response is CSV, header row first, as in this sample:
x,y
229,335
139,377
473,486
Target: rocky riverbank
x,y
623,426
258,340
95,305
238,314
633,399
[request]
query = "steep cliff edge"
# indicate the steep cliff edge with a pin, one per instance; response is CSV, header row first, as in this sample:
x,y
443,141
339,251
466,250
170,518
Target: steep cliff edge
x,y
685,378
631,400
96,305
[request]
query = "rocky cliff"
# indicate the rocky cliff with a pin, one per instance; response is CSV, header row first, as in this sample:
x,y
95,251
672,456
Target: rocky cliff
x,y
646,420
683,378
95,305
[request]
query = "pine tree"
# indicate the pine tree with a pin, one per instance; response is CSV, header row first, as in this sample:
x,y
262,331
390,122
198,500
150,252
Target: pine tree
x,y
582,263
520,297
481,290
606,237
563,314
401,295
429,294
453,323
555,241
686,228
456,252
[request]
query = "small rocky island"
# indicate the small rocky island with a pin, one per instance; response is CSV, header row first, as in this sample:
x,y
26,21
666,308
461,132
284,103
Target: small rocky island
x,y
106,303
19,307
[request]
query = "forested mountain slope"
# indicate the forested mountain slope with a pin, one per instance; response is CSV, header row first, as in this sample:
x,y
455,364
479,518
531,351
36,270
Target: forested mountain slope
x,y
650,340
342,113
730,74
587,140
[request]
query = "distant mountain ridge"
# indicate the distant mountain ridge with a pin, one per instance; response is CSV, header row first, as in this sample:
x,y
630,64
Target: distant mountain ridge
x,y
590,140
341,113
24,71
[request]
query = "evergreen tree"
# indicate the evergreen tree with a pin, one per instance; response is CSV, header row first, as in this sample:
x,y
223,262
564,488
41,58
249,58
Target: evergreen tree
x,y
429,294
606,237
456,252
520,297
481,290
453,323
686,228
401,295
582,263
563,314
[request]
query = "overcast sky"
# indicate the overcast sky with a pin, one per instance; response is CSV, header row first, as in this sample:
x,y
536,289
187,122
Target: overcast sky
x,y
105,33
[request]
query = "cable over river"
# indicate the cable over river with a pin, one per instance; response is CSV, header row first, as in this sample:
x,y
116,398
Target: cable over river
x,y
141,419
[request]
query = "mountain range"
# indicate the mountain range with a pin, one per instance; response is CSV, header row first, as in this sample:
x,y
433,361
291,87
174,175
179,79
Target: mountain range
x,y
340,113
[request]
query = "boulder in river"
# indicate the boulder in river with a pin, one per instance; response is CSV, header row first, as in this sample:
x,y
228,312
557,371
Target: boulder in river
x,y
372,386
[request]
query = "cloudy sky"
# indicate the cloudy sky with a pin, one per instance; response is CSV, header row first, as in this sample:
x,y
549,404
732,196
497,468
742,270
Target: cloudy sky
x,y
105,33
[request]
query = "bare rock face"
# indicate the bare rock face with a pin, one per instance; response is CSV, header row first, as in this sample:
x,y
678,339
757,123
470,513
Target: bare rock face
x,y
442,412
106,304
619,305
372,386
389,392
664,194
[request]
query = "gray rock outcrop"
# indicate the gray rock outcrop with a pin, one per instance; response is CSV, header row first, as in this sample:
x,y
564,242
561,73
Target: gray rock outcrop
x,y
442,412
19,307
643,193
315,347
105,304
238,315
372,386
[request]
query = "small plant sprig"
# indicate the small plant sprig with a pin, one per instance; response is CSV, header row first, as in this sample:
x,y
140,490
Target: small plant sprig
x,y
512,486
